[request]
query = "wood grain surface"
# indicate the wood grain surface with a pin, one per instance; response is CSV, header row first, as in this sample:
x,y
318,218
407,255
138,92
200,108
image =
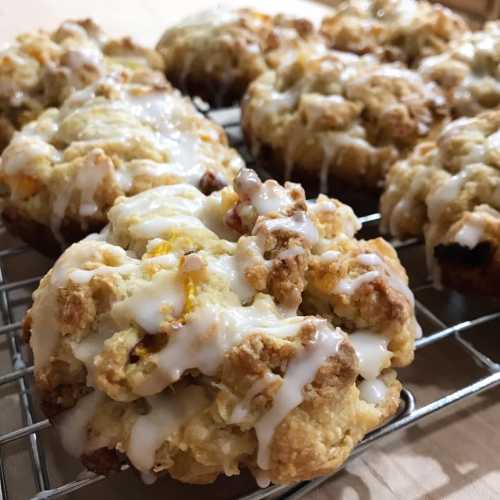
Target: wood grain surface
x,y
452,455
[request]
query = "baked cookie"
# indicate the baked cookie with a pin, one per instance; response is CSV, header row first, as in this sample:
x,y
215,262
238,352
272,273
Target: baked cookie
x,y
338,116
449,191
40,69
216,54
393,30
64,170
468,71
175,340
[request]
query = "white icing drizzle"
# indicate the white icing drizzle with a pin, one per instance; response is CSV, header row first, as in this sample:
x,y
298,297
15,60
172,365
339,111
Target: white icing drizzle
x,y
438,200
471,232
152,301
405,205
241,410
158,211
298,223
44,314
228,266
267,197
169,413
371,350
208,334
262,478
326,164
373,259
86,182
300,372
73,424
148,478
329,256
160,226
83,276
290,253
373,391
348,286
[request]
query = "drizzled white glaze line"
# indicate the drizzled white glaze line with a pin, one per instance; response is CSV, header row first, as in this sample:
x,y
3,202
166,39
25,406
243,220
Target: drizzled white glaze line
x,y
290,253
266,197
300,372
73,424
150,303
471,232
373,259
169,412
348,286
372,353
240,411
329,256
208,334
438,200
299,223
372,391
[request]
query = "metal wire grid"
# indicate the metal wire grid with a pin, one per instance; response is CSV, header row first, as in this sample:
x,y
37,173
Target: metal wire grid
x,y
21,373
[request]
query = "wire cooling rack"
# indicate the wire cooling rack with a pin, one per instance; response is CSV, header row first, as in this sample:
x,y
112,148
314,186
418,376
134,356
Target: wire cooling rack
x,y
15,297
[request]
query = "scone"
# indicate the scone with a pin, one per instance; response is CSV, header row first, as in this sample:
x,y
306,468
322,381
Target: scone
x,y
40,69
176,340
392,30
469,71
64,170
449,191
338,116
216,54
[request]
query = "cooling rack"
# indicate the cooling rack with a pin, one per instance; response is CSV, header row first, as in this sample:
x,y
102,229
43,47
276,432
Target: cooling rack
x,y
15,298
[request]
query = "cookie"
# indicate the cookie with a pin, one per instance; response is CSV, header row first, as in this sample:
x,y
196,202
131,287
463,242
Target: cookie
x,y
338,117
116,137
41,69
448,191
190,337
216,54
468,71
392,30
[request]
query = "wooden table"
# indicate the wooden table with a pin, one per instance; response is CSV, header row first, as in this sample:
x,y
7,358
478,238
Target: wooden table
x,y
453,455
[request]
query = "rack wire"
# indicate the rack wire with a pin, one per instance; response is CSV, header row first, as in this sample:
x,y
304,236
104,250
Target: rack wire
x,y
21,371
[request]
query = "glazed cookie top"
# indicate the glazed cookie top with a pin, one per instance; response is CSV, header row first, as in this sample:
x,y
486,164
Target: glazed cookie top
x,y
468,71
40,69
449,188
179,328
340,105
230,48
112,138
394,30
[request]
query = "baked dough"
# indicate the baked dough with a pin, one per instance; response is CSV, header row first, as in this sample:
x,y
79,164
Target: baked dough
x,y
339,117
116,137
393,30
176,339
468,71
41,69
216,54
449,191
